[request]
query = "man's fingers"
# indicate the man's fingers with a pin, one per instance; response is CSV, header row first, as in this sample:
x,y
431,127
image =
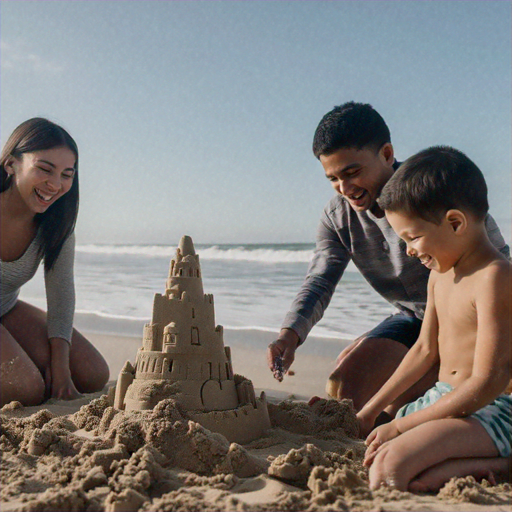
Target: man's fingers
x,y
288,358
273,351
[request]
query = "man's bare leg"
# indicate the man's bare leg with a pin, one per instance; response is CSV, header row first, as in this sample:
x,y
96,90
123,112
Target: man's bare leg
x,y
365,365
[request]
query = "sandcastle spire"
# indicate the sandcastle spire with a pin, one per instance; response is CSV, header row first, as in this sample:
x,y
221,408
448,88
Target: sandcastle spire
x,y
186,246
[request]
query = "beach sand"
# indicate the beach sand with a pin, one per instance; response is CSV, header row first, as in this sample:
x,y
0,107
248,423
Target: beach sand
x,y
84,456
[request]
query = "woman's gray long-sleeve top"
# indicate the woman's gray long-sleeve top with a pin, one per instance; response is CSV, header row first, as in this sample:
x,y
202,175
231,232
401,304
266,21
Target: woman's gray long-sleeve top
x,y
59,281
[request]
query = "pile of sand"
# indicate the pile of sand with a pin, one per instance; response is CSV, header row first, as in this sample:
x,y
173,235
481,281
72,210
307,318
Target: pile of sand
x,y
101,459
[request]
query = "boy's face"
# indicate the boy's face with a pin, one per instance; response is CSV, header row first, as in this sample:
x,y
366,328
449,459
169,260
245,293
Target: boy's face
x,y
434,245
359,174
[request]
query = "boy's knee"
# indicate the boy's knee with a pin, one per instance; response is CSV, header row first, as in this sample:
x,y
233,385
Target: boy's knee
x,y
387,470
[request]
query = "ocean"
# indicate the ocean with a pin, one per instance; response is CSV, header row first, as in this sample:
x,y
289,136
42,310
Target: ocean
x,y
253,287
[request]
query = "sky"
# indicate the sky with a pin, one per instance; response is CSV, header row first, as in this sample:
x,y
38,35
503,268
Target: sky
x,y
197,117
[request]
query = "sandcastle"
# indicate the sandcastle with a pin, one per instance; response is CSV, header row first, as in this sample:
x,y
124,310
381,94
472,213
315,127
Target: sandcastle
x,y
183,357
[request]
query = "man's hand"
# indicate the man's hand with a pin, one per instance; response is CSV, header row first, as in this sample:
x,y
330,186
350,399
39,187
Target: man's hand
x,y
59,376
281,353
377,438
366,420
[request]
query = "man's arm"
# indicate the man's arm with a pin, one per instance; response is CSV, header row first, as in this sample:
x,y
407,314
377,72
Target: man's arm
x,y
324,272
495,236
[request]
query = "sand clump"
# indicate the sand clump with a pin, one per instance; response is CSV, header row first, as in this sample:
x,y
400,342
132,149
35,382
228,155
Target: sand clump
x,y
468,490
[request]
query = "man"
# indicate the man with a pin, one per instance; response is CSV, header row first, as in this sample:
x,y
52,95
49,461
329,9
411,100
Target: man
x,y
353,144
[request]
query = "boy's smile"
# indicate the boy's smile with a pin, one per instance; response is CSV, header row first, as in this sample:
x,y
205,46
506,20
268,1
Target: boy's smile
x,y
432,244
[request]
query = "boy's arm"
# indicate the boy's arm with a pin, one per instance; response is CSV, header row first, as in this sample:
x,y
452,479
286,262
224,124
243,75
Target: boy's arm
x,y
416,363
491,365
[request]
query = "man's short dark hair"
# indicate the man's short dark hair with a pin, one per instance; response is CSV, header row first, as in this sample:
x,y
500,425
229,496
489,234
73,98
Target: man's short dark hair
x,y
433,181
351,125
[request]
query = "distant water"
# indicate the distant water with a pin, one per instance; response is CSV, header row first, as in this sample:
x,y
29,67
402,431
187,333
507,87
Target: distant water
x,y
253,286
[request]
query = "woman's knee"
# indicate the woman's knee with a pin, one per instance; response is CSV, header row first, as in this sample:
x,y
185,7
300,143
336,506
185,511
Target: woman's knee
x,y
89,369
27,387
99,377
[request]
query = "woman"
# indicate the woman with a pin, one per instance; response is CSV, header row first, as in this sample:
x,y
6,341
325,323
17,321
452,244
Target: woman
x,y
41,355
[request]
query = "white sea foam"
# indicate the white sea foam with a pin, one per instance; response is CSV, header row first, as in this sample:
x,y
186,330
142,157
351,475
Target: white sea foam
x,y
270,254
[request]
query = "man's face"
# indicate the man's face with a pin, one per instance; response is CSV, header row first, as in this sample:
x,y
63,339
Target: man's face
x,y
359,174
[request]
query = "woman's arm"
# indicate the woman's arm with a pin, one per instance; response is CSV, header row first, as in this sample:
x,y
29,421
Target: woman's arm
x,y
61,384
60,292
60,297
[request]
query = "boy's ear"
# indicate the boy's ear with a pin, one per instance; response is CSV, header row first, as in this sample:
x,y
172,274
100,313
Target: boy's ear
x,y
457,220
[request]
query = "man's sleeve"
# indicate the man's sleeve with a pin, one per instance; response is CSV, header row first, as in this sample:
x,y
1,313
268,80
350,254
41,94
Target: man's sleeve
x,y
325,270
495,236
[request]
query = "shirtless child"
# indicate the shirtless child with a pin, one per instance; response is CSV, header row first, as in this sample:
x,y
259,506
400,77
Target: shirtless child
x,y
436,202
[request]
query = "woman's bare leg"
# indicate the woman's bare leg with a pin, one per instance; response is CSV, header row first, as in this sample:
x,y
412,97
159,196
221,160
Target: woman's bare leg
x,y
400,460
20,379
27,324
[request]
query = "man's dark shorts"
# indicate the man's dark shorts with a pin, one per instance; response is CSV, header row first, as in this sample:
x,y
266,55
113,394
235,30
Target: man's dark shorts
x,y
399,327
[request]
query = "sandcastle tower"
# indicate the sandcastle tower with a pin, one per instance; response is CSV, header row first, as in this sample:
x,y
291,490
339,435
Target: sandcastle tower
x,y
183,356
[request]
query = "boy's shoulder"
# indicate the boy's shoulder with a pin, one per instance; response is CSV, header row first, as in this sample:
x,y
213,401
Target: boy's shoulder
x,y
499,267
494,277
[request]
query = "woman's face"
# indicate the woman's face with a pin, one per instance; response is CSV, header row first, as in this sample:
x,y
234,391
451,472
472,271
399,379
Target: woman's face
x,y
42,177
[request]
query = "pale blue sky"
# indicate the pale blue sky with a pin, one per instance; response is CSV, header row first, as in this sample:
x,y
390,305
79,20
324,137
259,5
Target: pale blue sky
x,y
197,117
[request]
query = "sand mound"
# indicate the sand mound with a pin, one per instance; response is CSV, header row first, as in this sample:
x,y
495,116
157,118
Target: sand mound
x,y
102,459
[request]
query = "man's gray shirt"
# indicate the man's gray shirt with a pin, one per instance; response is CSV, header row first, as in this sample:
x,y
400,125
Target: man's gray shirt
x,y
378,253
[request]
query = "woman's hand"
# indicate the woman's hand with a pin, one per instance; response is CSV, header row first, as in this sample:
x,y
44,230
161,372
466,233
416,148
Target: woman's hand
x,y
61,383
377,438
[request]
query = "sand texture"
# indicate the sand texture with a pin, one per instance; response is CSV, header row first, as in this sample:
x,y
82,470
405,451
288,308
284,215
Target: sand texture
x,y
86,456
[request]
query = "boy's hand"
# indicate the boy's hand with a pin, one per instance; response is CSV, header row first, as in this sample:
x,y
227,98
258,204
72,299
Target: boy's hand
x,y
377,438
281,353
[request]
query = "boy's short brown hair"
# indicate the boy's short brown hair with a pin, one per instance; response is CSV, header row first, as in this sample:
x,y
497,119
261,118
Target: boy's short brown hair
x,y
433,181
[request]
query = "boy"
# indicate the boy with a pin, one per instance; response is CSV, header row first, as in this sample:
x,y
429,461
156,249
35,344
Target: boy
x,y
353,144
437,202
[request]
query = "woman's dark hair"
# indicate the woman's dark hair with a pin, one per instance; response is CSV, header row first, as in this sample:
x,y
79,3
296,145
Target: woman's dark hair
x,y
58,222
351,125
433,181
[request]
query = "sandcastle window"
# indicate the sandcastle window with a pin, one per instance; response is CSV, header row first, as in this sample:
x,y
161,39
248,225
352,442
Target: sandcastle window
x,y
195,336
181,271
170,365
193,313
169,338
